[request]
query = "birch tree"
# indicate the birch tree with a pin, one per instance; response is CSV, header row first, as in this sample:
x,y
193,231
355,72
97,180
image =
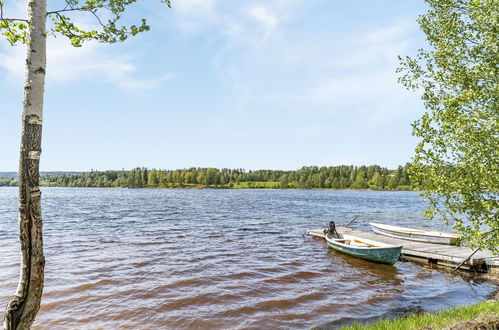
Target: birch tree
x,y
33,32
457,159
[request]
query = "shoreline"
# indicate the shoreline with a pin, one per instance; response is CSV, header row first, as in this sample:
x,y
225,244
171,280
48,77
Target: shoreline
x,y
482,315
227,188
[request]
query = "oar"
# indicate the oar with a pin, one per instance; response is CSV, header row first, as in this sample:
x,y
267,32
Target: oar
x,y
357,241
466,259
353,219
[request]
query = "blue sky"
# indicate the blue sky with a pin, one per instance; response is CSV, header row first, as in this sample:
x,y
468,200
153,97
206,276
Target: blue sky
x,y
275,84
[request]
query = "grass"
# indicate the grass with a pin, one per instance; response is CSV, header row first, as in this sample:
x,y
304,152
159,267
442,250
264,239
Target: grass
x,y
437,320
256,185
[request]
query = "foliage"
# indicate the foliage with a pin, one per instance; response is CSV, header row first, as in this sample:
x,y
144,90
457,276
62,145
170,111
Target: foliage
x,y
62,22
8,182
457,159
308,177
440,320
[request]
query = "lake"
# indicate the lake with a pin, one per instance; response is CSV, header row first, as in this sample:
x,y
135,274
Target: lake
x,y
161,258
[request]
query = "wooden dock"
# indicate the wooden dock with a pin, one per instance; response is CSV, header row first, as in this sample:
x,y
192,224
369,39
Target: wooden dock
x,y
439,254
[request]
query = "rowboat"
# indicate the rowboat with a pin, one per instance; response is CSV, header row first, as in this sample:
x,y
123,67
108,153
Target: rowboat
x,y
363,248
417,234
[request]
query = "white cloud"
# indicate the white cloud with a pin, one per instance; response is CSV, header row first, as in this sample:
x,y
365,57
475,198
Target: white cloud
x,y
195,7
274,55
193,16
241,23
320,70
93,61
12,61
262,15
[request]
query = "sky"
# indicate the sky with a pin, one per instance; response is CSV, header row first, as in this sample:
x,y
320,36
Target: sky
x,y
274,84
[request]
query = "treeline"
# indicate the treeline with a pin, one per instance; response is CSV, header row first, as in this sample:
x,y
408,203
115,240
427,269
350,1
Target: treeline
x,y
9,179
309,177
8,182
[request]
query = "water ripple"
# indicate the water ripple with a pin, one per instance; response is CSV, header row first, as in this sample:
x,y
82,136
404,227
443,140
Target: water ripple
x,y
212,259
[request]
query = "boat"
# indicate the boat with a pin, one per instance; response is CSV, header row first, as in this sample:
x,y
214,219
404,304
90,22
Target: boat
x,y
417,234
362,248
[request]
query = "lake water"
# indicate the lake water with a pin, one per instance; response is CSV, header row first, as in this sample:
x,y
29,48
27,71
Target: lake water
x,y
158,258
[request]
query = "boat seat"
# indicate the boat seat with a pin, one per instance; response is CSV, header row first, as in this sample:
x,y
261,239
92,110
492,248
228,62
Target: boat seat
x,y
360,244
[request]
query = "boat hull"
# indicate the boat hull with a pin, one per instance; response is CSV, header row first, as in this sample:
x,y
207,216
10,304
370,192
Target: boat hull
x,y
385,255
419,236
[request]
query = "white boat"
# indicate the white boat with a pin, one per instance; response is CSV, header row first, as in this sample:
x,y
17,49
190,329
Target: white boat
x,y
417,234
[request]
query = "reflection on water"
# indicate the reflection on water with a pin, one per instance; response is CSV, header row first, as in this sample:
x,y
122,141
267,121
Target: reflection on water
x,y
217,259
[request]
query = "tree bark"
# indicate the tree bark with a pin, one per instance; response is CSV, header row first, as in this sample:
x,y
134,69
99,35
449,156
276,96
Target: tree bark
x,y
22,309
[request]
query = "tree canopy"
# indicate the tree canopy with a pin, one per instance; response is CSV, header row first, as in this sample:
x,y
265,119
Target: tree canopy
x,y
107,30
456,161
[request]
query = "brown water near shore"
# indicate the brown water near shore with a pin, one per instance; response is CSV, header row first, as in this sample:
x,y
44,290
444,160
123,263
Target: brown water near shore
x,y
142,259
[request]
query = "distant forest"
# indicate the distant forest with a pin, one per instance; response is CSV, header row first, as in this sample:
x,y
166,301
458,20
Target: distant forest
x,y
308,177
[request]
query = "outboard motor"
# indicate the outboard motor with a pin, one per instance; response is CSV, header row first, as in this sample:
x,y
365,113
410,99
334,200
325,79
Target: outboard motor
x,y
331,230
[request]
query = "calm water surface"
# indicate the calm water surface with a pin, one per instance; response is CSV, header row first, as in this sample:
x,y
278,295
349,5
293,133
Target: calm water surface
x,y
127,258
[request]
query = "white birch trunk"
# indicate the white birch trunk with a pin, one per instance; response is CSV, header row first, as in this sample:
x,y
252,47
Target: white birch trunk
x,y
22,309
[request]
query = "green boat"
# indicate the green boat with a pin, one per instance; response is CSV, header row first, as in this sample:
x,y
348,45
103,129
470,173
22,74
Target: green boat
x,y
362,248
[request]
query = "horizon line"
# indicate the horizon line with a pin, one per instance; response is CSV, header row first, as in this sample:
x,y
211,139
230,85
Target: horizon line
x,y
190,167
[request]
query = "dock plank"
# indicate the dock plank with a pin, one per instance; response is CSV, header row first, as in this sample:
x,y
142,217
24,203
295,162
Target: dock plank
x,y
444,254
